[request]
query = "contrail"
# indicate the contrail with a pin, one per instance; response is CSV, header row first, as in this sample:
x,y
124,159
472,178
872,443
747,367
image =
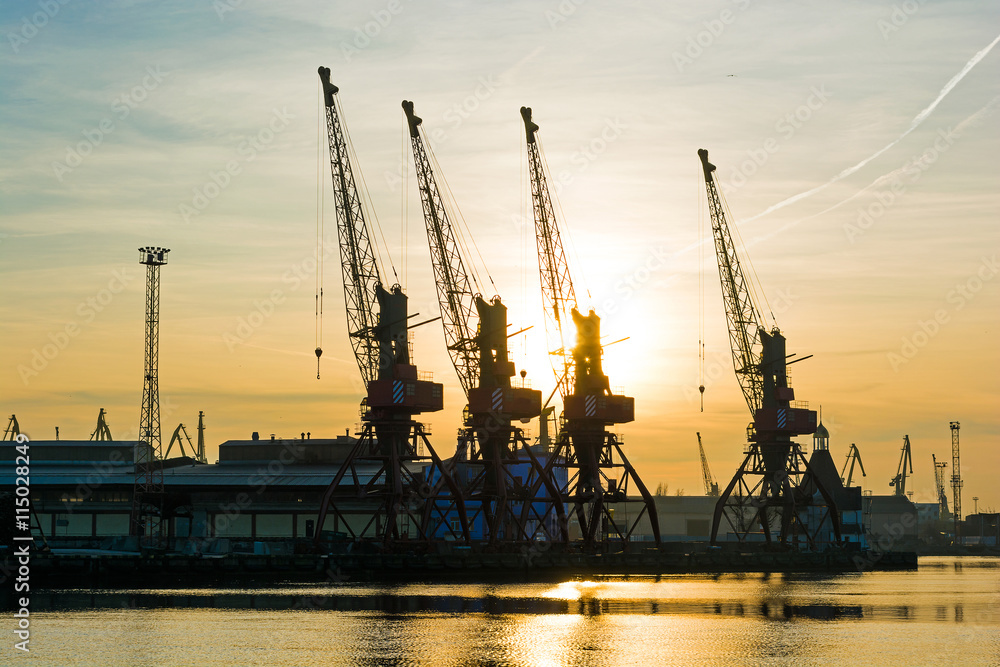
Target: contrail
x,y
914,124
971,121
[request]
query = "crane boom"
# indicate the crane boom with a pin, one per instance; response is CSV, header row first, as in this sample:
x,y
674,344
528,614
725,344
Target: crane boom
x,y
853,456
360,269
711,487
905,461
454,291
773,459
558,295
742,314
943,510
589,405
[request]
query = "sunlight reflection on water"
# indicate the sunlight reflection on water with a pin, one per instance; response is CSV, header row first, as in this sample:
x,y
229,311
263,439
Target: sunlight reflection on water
x,y
947,613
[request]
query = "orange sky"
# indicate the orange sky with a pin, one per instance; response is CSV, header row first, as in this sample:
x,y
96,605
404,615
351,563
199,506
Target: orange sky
x,y
887,275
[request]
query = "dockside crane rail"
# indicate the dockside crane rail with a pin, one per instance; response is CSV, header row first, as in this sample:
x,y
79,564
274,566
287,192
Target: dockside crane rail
x,y
847,472
711,486
772,458
905,463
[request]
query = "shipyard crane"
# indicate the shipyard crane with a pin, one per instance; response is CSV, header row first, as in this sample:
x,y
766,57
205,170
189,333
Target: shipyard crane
x,y
765,491
847,472
711,486
943,511
13,429
102,432
589,405
180,434
476,335
905,462
385,487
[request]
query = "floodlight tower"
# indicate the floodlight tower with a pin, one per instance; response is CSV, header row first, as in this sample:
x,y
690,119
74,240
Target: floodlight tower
x,y
956,481
147,494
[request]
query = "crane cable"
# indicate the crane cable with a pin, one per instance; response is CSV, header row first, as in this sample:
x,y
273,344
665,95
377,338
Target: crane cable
x,y
463,236
756,290
701,291
560,215
366,201
320,214
404,173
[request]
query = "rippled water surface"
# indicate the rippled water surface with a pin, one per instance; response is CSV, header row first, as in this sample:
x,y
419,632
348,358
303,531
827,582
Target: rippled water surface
x,y
945,613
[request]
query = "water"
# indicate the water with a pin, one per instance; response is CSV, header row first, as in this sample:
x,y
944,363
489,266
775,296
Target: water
x,y
945,613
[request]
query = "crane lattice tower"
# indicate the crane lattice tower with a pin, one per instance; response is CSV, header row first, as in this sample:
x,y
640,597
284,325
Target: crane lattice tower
x,y
956,480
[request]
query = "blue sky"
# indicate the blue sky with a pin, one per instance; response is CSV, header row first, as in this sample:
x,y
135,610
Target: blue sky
x,y
886,275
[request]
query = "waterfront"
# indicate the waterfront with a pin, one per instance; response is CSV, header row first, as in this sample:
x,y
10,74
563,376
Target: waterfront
x,y
945,613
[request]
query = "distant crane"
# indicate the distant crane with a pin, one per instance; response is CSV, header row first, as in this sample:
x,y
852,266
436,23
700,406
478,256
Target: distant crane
x,y
905,463
13,429
384,467
102,432
147,492
179,433
956,481
711,486
773,458
939,467
853,456
476,335
200,454
589,405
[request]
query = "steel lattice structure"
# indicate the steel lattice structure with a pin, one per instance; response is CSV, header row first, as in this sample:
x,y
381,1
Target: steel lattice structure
x,y
147,493
396,490
357,257
956,481
743,316
597,469
765,493
558,295
489,442
451,279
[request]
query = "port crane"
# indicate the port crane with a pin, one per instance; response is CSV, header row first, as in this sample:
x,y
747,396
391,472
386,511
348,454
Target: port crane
x,y
847,472
711,486
13,429
476,335
943,511
905,462
102,432
382,491
602,471
764,494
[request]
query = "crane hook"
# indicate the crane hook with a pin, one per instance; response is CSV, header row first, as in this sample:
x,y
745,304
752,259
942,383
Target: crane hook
x,y
319,353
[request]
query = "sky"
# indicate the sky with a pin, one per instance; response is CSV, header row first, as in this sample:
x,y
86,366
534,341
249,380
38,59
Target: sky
x,y
855,144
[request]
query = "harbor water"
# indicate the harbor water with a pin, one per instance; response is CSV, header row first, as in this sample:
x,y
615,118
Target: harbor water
x,y
947,612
